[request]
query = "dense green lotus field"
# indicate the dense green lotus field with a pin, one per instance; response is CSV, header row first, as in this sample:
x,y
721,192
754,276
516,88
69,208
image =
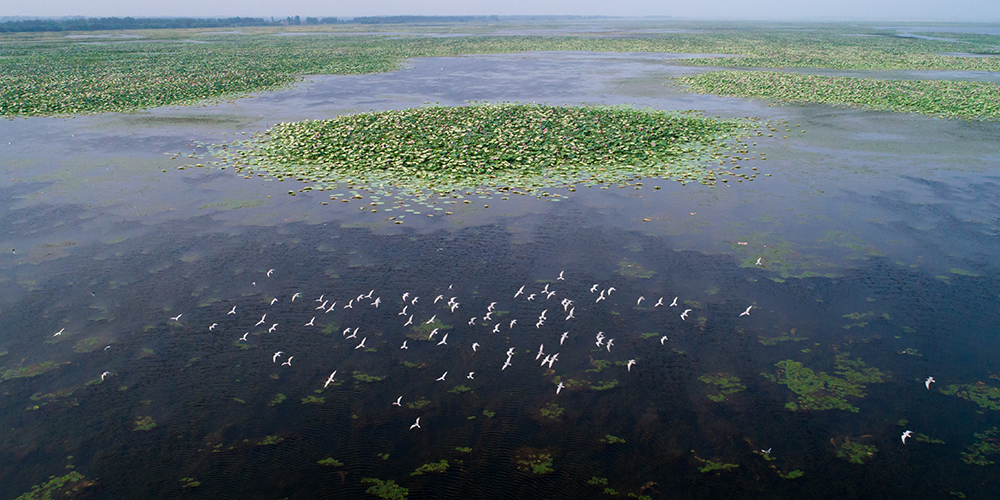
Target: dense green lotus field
x,y
53,75
438,150
942,98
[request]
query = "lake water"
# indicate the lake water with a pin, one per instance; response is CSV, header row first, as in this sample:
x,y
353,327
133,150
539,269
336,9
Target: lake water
x,y
876,236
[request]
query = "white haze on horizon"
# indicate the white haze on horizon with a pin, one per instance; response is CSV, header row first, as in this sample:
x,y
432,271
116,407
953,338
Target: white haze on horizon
x,y
774,10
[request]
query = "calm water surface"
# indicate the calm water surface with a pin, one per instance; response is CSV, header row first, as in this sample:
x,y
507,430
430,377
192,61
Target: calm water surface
x,y
877,240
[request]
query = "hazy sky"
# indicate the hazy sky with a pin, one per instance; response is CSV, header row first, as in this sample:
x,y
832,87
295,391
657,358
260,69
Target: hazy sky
x,y
921,10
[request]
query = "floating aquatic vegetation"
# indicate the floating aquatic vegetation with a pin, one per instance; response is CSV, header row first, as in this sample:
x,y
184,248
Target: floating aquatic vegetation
x,y
552,411
987,443
266,441
489,414
633,270
67,486
599,364
795,474
441,466
277,400
463,449
189,482
605,385
313,400
144,424
612,439
598,481
61,396
30,370
716,468
383,456
724,383
942,98
911,351
855,452
388,489
785,337
418,404
533,460
983,395
857,316
362,377
458,389
331,462
505,147
821,391
88,344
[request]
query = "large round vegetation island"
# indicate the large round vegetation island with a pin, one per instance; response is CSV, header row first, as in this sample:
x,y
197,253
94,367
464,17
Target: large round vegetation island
x,y
440,149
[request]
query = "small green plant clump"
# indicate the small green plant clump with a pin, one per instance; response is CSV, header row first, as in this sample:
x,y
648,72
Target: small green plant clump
x,y
387,490
605,385
856,453
56,487
418,404
313,400
458,389
716,467
821,391
726,385
144,424
189,482
795,474
266,441
277,400
441,466
987,443
29,371
441,149
330,462
983,395
612,439
552,411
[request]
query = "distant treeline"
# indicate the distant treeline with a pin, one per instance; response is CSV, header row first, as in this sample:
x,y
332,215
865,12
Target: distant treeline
x,y
421,19
132,23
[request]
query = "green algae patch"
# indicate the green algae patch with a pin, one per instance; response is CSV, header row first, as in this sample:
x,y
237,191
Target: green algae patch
x,y
266,441
458,389
633,270
313,400
822,391
725,385
441,466
785,337
716,468
89,344
533,461
277,400
941,98
418,404
30,370
612,439
983,395
856,453
330,462
794,474
144,424
387,490
362,377
987,443
552,411
189,482
439,149
59,397
463,449
66,486
605,385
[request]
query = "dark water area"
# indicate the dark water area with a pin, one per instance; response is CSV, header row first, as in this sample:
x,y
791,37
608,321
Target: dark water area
x,y
875,238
